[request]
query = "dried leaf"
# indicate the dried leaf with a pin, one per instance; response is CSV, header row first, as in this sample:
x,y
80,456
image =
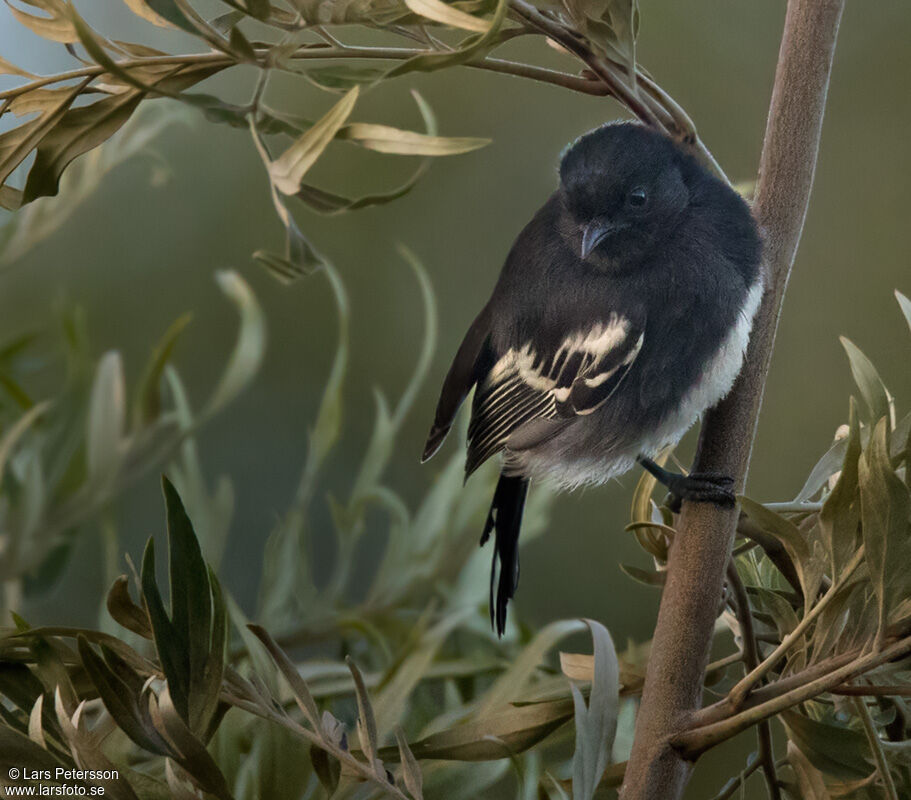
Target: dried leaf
x,y
7,68
386,139
124,611
473,47
76,132
142,9
16,144
54,24
288,170
439,11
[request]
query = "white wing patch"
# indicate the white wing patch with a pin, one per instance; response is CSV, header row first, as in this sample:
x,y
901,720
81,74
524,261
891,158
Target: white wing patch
x,y
573,380
593,345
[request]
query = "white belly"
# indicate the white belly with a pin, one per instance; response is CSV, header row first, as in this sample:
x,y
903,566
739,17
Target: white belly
x,y
716,381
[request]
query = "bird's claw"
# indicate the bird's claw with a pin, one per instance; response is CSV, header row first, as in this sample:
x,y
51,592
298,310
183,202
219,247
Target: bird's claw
x,y
701,487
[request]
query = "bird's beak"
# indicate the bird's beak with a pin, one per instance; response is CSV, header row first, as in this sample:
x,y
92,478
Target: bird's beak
x,y
595,233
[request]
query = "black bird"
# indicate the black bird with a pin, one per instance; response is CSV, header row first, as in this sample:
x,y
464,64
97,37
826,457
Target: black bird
x,y
621,315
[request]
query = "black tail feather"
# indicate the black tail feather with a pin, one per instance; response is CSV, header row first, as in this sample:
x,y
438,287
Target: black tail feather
x,y
505,520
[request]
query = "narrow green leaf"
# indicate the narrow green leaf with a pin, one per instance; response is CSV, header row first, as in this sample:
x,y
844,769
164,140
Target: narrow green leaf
x,y
596,724
905,305
170,646
885,503
342,77
794,541
644,576
366,722
874,393
106,420
299,688
147,405
511,731
250,346
121,702
511,684
835,749
840,514
12,436
327,768
195,759
411,772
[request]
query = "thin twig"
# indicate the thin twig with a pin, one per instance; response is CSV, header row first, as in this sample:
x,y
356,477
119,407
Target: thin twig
x,y
876,748
738,694
751,659
728,792
573,42
503,66
873,690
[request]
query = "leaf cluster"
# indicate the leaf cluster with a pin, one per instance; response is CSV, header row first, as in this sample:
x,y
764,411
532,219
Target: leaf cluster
x,y
65,458
63,117
188,699
828,607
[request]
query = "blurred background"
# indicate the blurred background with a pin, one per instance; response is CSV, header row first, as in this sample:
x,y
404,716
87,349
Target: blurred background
x,y
143,249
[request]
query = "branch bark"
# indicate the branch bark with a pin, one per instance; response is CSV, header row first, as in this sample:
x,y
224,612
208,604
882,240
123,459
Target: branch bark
x,y
699,556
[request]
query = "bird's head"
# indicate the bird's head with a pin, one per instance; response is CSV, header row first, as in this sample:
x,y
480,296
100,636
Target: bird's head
x,y
623,188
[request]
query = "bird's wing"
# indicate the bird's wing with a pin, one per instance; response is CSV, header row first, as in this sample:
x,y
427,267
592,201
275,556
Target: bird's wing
x,y
526,385
468,366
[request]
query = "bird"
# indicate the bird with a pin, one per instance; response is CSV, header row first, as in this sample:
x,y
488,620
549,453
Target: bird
x,y
621,315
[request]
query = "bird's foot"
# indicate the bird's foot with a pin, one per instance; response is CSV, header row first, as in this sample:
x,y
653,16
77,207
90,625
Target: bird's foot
x,y
697,487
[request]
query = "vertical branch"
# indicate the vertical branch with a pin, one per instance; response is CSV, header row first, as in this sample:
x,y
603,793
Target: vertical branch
x,y
700,553
766,751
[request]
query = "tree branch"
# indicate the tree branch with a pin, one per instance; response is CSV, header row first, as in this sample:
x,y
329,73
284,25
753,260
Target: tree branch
x,y
700,552
594,86
773,699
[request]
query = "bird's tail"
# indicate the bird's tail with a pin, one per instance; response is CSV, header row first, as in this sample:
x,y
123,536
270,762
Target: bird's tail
x,y
505,520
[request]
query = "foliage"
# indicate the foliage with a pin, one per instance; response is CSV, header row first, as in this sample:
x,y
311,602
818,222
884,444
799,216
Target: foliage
x,y
191,699
62,117
62,461
156,702
830,608
176,700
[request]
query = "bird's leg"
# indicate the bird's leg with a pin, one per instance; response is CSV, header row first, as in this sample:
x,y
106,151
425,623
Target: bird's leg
x,y
698,487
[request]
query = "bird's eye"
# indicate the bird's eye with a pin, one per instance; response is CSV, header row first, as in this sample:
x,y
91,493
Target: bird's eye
x,y
637,198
